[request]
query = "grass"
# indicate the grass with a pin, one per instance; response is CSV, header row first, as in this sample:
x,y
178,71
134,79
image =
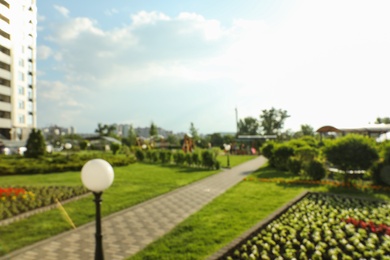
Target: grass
x,y
234,159
133,184
230,215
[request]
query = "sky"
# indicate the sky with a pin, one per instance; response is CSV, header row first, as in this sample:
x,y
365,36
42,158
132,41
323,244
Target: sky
x,y
179,62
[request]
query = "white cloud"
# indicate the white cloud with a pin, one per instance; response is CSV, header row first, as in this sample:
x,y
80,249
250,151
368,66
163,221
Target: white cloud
x,y
144,18
62,10
111,12
321,63
44,52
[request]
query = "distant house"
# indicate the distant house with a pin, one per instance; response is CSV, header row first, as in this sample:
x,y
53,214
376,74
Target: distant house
x,y
379,131
101,142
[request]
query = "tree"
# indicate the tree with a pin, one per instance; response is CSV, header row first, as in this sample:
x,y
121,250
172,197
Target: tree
x,y
131,139
306,130
194,132
216,140
153,130
382,120
248,126
35,144
105,130
272,120
351,152
173,140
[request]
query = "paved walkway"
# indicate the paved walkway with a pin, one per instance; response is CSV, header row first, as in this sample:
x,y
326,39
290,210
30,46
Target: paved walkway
x,y
129,231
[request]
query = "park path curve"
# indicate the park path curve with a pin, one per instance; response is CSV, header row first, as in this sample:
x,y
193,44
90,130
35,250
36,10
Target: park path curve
x,y
127,232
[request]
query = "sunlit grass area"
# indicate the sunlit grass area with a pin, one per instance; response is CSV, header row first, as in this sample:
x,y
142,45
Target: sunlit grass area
x,y
133,184
230,215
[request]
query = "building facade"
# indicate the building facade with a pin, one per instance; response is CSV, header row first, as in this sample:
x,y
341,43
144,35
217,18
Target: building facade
x,y
18,23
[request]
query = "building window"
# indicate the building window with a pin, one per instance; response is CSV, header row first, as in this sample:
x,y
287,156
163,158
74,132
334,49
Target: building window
x,y
21,104
29,93
29,106
21,76
29,119
21,90
21,63
30,66
29,79
21,119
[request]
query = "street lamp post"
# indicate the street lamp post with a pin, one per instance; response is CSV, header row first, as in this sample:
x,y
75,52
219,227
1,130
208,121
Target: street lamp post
x,y
227,149
68,146
97,175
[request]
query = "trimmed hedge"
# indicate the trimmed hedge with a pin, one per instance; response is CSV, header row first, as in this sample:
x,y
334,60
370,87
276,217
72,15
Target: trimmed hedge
x,y
11,165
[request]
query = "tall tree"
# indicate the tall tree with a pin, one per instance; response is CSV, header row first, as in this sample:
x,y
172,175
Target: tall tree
x,y
153,130
194,132
100,129
35,144
248,126
382,120
105,130
351,152
306,130
132,136
272,120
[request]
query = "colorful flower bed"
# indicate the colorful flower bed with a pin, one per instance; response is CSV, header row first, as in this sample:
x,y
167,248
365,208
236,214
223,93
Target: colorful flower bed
x,y
322,182
322,226
17,200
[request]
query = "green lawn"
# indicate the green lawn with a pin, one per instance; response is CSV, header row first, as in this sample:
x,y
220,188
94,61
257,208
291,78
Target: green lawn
x,y
234,159
230,215
132,184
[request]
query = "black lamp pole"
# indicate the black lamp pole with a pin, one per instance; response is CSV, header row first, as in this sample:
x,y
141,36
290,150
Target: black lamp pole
x,y
99,245
228,161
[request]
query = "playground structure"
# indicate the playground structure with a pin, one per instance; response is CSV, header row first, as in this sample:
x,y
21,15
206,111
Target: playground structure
x,y
188,143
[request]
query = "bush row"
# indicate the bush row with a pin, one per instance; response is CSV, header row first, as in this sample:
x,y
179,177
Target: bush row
x,y
298,156
310,158
198,158
57,163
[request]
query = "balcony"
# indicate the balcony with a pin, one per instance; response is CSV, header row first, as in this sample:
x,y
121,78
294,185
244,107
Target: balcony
x,y
5,91
5,26
4,11
5,58
4,106
5,123
5,42
5,74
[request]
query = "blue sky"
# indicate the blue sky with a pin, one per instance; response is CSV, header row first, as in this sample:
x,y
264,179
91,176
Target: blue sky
x,y
177,62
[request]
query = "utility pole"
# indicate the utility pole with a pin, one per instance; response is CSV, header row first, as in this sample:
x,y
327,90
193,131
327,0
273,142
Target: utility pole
x,y
236,121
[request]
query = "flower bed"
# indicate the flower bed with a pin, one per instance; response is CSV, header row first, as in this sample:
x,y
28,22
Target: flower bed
x,y
321,182
322,226
17,200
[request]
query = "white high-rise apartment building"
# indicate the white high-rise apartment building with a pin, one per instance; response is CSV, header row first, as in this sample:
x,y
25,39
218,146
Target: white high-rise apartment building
x,y
18,21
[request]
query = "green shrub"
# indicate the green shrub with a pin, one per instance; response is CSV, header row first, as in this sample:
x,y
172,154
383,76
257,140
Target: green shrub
x,y
195,158
377,173
294,165
188,159
36,146
282,154
140,155
209,160
306,153
115,147
165,156
179,157
267,150
315,170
